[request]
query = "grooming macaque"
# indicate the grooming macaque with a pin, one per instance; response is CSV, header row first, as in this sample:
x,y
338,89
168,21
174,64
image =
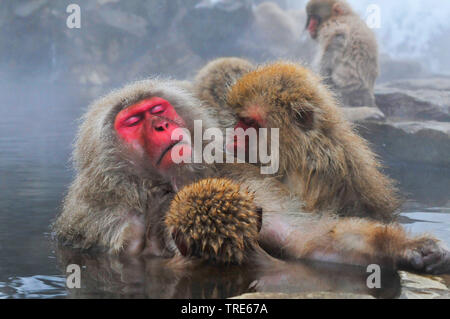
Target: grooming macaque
x,y
129,197
322,160
348,51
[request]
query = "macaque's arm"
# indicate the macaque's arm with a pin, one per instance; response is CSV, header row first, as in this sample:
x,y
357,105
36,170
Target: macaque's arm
x,y
114,230
354,241
362,113
332,55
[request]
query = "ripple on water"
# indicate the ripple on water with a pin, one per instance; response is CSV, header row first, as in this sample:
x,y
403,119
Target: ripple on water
x,y
38,286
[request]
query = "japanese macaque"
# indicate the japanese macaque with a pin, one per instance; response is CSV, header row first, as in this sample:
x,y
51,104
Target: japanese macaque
x,y
130,197
125,176
322,160
348,51
213,81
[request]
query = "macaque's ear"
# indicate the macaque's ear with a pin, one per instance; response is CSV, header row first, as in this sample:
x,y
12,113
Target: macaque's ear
x,y
305,118
337,9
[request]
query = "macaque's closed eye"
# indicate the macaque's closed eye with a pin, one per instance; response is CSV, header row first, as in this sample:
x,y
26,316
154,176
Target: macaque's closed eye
x,y
133,120
157,110
305,118
129,119
249,122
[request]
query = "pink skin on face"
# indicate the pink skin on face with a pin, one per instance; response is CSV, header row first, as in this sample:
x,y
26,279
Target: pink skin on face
x,y
148,125
312,27
255,121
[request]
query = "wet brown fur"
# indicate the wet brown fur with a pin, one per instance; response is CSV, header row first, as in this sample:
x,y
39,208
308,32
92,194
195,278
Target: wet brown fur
x,y
221,219
322,159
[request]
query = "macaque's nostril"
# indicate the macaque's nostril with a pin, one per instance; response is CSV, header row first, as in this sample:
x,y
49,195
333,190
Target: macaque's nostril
x,y
161,127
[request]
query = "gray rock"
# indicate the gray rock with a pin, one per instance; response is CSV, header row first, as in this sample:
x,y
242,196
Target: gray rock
x,y
423,287
418,99
409,142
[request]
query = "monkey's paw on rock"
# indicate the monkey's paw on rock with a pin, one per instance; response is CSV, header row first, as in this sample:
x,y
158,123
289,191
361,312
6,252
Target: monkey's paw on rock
x,y
427,256
363,113
214,220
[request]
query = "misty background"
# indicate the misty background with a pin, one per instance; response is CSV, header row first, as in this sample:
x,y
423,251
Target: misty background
x,y
120,41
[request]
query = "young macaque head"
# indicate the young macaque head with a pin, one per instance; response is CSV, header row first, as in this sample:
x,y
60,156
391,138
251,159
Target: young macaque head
x,y
148,126
319,11
284,96
214,79
215,220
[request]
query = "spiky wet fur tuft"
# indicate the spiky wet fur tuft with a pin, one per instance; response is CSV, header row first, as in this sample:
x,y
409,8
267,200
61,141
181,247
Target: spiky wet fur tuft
x,y
215,219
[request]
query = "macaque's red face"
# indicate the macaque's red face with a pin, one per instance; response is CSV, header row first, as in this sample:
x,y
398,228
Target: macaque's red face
x,y
254,118
148,126
312,25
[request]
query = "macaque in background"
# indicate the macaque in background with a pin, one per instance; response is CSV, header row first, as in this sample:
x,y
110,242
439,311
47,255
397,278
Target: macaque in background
x,y
129,196
348,51
213,81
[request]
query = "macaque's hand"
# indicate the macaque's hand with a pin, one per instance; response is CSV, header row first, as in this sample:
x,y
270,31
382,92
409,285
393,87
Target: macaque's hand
x,y
363,113
426,255
132,237
215,220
